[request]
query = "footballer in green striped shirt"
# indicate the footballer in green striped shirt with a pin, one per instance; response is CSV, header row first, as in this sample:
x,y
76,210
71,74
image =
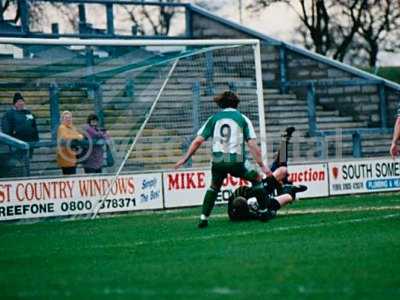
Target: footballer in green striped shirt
x,y
230,132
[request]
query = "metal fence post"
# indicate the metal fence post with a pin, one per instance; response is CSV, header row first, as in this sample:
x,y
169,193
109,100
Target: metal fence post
x,y
323,149
196,106
282,69
90,71
184,147
1,10
82,18
232,86
188,22
98,104
209,73
382,105
24,13
89,61
27,162
55,28
54,92
311,109
135,30
130,88
357,144
110,19
195,119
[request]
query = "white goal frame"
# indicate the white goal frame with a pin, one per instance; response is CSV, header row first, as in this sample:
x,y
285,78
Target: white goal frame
x,y
206,42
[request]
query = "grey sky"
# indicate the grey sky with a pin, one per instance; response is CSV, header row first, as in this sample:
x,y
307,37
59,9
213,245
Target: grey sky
x,y
279,21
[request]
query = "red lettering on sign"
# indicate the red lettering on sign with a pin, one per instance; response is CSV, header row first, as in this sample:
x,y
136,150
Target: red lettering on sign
x,y
193,180
190,184
201,176
63,193
234,181
308,175
131,186
173,182
84,188
19,193
244,182
5,192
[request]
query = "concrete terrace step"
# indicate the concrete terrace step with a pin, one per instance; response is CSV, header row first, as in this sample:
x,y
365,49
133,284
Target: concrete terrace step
x,y
285,121
36,98
287,102
25,92
301,113
334,119
377,148
283,108
348,125
171,160
383,142
152,92
27,63
38,157
301,119
43,108
274,97
334,113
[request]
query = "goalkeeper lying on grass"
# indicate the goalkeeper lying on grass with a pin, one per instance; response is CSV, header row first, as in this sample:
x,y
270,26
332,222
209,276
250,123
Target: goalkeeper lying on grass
x,y
230,131
243,206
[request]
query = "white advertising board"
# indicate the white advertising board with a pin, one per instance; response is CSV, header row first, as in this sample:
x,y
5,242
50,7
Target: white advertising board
x,y
314,176
187,188
364,176
52,197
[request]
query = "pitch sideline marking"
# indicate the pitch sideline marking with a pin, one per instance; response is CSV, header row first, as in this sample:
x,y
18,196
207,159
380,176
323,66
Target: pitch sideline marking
x,y
252,232
310,211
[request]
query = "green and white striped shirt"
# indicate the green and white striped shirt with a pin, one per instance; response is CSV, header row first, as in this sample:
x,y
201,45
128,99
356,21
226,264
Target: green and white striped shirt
x,y
229,130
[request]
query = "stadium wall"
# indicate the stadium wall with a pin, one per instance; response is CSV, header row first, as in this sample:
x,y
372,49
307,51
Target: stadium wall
x,y
66,196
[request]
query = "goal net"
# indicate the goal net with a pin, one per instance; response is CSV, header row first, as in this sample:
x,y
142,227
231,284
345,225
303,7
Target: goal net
x,y
150,97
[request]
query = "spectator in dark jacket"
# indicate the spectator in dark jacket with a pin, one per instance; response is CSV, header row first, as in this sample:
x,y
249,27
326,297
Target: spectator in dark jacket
x,y
94,159
19,122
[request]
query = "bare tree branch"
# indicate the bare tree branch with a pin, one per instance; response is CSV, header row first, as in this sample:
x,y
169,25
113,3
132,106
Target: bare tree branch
x,y
337,27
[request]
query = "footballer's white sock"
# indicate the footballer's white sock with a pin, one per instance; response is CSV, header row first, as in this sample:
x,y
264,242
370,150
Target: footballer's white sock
x,y
203,217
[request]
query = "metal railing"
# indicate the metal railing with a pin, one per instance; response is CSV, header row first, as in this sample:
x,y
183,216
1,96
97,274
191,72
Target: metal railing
x,y
356,133
86,30
18,152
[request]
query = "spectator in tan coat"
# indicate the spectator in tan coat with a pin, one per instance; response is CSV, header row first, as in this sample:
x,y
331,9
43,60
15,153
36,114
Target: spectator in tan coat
x,y
67,135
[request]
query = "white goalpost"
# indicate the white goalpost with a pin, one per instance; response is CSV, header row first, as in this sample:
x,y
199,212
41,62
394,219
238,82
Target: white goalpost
x,y
154,93
97,206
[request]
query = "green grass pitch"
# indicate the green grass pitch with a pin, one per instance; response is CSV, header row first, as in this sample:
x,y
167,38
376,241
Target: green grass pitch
x,y
338,248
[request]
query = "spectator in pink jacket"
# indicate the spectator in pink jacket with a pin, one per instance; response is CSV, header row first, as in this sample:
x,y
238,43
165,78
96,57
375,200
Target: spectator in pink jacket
x,y
94,158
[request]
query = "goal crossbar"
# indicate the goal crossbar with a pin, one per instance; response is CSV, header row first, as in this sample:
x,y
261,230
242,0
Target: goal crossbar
x,y
119,42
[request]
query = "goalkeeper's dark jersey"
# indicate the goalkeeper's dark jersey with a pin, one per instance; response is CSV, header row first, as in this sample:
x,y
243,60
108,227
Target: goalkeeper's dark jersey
x,y
246,213
252,211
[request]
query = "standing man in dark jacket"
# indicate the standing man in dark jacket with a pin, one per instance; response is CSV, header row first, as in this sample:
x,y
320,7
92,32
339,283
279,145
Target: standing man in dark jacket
x,y
20,123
